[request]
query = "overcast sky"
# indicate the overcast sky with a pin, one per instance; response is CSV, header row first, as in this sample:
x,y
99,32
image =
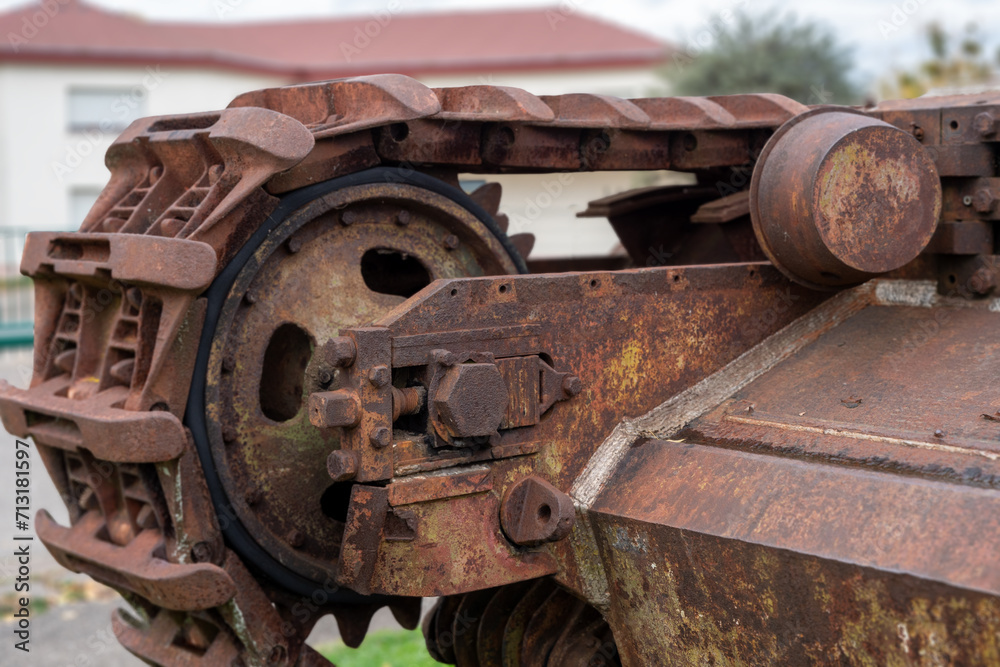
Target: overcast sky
x,y
885,33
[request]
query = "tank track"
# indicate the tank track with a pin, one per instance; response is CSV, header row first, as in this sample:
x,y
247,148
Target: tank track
x,y
119,314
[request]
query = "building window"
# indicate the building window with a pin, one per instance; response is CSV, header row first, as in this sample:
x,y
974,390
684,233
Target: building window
x,y
103,109
472,184
81,200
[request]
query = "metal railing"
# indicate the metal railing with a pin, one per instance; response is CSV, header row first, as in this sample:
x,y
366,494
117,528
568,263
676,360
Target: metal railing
x,y
17,296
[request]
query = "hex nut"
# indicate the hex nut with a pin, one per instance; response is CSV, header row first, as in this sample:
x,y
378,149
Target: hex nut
x,y
471,400
331,409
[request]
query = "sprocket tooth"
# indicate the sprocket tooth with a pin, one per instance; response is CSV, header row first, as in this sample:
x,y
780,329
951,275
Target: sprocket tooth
x,y
353,623
406,611
524,243
542,631
488,196
503,222
444,619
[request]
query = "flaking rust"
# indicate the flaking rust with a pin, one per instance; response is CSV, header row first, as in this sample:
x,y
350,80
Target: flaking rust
x,y
282,373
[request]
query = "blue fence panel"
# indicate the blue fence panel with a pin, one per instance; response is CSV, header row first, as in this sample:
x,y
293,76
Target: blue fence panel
x,y
17,296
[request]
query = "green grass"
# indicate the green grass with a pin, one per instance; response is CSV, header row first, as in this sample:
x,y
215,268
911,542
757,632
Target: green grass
x,y
386,648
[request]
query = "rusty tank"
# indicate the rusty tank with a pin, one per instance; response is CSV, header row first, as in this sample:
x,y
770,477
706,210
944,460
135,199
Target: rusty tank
x,y
287,368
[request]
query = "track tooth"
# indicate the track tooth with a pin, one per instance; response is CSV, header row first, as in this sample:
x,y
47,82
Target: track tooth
x,y
488,196
348,105
445,618
760,109
489,641
685,113
491,103
465,627
514,629
406,611
542,631
524,243
595,111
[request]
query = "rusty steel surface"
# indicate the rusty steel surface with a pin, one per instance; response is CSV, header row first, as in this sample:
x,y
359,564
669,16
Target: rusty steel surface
x,y
288,368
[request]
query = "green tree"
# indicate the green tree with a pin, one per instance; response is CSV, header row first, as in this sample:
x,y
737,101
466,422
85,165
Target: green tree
x,y
955,61
757,54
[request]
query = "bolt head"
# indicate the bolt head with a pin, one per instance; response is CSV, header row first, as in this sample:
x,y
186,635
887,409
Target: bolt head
x,y
380,376
403,218
451,242
339,352
471,400
985,124
201,552
332,409
253,496
381,437
229,433
342,465
295,538
984,201
572,385
348,218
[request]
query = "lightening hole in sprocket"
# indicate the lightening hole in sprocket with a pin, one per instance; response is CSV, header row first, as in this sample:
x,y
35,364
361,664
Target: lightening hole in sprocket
x,y
282,377
388,271
335,501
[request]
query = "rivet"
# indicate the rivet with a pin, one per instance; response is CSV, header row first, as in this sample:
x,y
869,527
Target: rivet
x,y
451,242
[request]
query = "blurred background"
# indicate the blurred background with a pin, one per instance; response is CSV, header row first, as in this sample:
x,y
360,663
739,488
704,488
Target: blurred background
x,y
74,73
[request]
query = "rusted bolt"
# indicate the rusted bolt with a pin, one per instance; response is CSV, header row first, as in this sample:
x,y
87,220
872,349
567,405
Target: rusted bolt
x,y
535,512
277,655
250,297
134,297
985,124
228,362
451,242
938,433
850,402
379,376
331,409
339,352
294,244
572,385
348,218
918,132
201,552
325,377
407,401
444,357
342,465
295,538
984,201
403,218
983,280
229,434
253,495
381,437
215,173
471,400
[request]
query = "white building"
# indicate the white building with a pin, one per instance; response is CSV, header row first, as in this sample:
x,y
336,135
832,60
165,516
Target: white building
x,y
73,75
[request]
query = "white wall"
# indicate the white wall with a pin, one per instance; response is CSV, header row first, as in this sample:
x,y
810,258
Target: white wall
x,y
42,162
